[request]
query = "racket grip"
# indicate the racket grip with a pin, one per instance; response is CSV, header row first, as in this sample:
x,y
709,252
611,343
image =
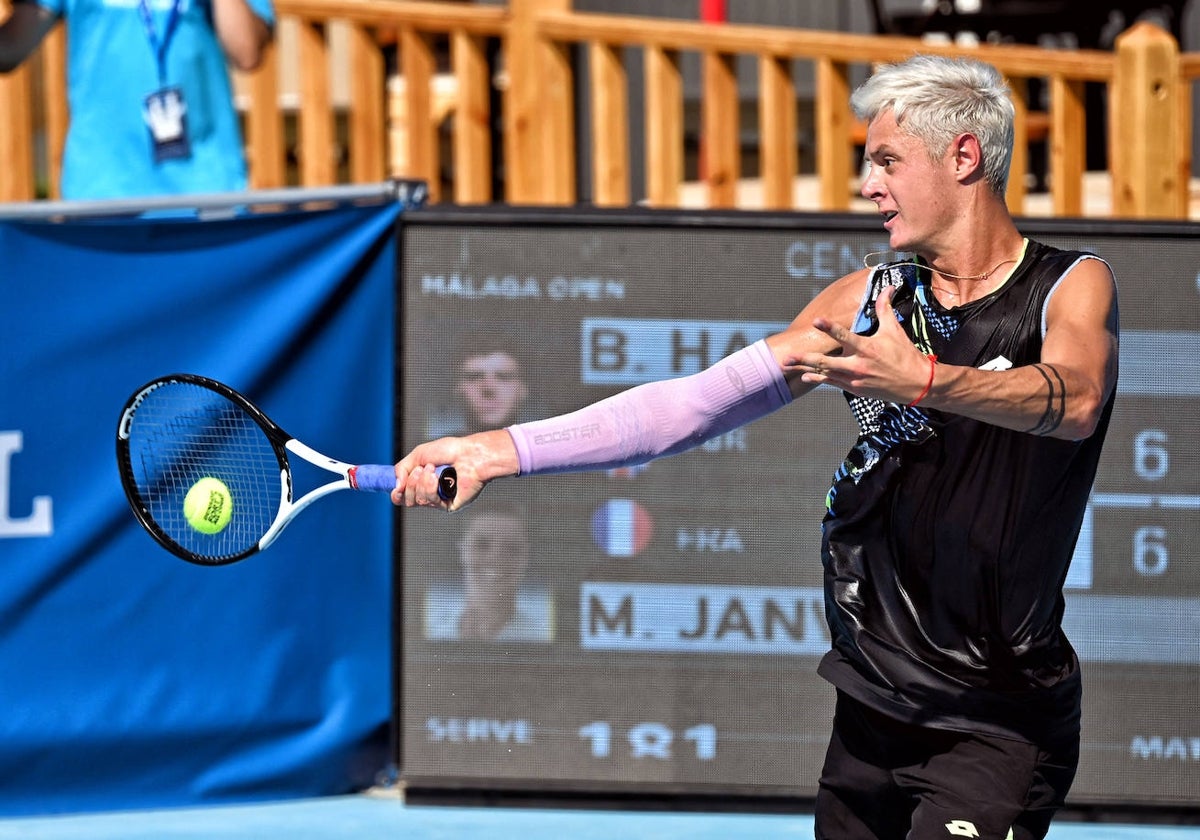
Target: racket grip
x,y
381,478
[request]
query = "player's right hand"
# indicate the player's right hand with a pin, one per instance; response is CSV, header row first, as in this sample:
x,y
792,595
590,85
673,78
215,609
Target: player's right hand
x,y
477,459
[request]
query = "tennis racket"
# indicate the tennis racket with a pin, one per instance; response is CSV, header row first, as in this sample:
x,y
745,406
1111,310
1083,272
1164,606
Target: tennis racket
x,y
179,429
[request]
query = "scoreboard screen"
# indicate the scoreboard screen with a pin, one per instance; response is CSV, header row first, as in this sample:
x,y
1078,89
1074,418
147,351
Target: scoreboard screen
x,y
656,629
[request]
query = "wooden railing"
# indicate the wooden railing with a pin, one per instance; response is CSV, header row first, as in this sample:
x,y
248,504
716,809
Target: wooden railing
x,y
393,123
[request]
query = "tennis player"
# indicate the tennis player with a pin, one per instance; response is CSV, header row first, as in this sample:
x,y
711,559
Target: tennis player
x,y
981,371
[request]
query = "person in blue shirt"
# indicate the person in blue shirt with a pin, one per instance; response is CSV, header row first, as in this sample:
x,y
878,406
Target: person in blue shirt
x,y
150,96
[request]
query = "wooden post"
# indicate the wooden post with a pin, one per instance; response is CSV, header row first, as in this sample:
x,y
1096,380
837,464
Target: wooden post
x,y
833,134
1068,146
16,149
610,126
1149,180
55,112
366,134
719,111
539,126
315,122
16,130
777,131
558,124
1183,110
417,67
664,127
266,157
1018,167
472,120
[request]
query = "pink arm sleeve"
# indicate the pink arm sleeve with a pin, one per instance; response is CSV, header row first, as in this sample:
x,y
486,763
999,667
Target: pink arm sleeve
x,y
656,419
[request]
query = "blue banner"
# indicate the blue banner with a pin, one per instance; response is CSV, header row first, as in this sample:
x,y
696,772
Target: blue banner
x,y
129,678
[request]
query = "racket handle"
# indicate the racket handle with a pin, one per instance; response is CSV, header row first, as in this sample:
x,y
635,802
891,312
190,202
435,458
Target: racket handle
x,y
381,478
447,483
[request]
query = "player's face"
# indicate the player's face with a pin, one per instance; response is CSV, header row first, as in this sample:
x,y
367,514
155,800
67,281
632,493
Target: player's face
x,y
495,552
911,190
492,387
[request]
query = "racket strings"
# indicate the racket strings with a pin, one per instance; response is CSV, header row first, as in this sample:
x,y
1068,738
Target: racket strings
x,y
182,432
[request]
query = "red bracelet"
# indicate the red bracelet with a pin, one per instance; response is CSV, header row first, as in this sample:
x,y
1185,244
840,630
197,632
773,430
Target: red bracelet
x,y
932,369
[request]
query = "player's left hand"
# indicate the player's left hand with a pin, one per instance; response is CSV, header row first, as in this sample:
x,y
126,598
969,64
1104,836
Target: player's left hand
x,y
885,365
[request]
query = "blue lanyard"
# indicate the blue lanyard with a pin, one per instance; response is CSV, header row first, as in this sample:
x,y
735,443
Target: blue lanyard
x,y
160,47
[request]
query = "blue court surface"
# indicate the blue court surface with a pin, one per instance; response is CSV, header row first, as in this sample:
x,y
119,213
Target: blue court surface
x,y
367,817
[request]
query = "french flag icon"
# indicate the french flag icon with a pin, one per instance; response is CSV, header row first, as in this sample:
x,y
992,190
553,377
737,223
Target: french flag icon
x,y
622,527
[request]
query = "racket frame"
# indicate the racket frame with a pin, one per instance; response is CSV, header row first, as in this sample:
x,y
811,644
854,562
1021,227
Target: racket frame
x,y
281,442
288,509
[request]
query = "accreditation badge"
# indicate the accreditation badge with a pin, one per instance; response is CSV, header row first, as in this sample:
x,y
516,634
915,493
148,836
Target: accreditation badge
x,y
165,113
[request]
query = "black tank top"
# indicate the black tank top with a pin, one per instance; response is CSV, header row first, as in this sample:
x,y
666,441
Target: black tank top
x,y
946,540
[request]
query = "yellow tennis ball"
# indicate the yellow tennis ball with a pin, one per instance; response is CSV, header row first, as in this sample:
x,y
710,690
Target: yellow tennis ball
x,y
208,506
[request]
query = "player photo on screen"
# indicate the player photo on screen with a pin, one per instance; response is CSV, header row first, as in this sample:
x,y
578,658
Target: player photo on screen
x,y
493,600
489,386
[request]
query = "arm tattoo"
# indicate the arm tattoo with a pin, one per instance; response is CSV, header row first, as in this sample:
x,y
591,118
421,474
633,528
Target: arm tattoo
x,y
1056,401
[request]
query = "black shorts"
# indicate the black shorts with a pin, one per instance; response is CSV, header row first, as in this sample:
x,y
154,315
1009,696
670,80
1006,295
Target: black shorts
x,y
888,780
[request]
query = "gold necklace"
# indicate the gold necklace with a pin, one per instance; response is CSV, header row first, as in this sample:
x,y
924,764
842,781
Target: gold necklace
x,y
984,276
